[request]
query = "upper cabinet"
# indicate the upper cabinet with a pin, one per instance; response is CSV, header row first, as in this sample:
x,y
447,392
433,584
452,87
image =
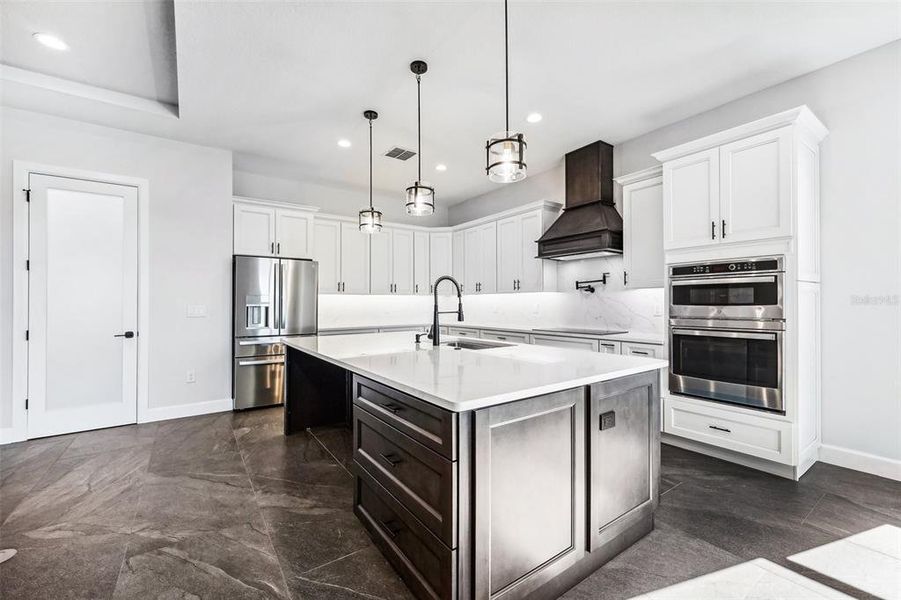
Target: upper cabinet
x,y
343,255
263,230
421,262
392,261
746,184
441,258
518,269
643,228
480,259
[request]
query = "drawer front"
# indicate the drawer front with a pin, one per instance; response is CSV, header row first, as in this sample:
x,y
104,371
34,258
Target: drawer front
x,y
610,347
462,332
422,480
648,350
429,425
748,434
506,336
427,566
565,342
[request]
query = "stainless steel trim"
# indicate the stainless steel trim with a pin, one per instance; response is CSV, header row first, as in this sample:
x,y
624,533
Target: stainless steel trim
x,y
716,280
755,312
730,324
270,361
745,335
258,342
780,265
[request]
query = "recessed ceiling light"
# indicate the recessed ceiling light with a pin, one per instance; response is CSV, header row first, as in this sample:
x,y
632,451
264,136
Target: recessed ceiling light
x,y
344,143
50,40
534,117
441,167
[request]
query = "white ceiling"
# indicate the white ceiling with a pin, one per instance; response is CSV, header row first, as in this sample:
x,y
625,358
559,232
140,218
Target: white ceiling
x,y
286,80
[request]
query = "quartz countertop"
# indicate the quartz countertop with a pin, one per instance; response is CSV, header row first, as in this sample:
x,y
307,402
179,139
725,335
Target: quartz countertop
x,y
461,380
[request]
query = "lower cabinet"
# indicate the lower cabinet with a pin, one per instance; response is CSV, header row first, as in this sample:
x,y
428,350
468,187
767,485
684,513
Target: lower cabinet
x,y
500,335
518,500
560,341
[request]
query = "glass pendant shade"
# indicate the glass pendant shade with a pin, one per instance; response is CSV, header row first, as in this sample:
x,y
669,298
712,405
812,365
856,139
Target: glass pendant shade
x,y
420,199
370,220
506,157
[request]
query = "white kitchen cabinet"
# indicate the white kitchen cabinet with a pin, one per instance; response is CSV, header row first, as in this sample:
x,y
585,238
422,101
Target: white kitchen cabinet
x,y
421,262
560,341
458,250
518,269
610,347
441,258
392,260
691,208
501,335
327,252
638,349
354,259
643,229
293,233
480,259
342,252
509,254
755,187
462,331
254,229
262,230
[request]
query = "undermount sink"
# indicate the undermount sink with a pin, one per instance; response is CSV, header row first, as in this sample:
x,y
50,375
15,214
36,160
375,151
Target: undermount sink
x,y
474,345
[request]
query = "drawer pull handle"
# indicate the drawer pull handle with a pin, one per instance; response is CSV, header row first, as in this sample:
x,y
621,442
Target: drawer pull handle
x,y
392,408
391,459
500,337
640,352
389,528
720,428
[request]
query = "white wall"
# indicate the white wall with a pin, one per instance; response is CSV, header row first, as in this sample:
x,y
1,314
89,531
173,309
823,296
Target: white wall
x,y
858,99
190,239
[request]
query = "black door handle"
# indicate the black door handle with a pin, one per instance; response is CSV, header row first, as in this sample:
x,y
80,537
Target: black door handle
x,y
127,334
391,459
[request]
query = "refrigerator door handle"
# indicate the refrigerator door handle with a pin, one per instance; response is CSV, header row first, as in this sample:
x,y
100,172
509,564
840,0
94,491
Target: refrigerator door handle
x,y
281,281
276,296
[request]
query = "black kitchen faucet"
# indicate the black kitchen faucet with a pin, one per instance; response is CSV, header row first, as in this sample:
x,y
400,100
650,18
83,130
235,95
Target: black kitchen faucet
x,y
433,332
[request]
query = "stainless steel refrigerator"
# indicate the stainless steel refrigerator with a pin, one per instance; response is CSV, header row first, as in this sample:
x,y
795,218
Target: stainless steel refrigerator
x,y
273,298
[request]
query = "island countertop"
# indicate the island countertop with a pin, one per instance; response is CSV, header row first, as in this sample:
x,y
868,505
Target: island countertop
x,y
461,380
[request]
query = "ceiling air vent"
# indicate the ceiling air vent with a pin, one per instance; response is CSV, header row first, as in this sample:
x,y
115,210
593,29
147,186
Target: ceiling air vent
x,y
400,153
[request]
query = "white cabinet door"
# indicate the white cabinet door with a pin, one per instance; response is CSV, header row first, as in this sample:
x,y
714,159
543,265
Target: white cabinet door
x,y
755,187
421,262
458,249
488,259
293,233
254,229
354,259
327,252
559,341
643,233
608,347
441,258
380,269
509,254
472,257
691,200
402,258
531,275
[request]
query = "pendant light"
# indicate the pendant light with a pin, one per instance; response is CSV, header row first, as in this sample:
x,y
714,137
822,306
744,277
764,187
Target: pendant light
x,y
370,218
420,195
505,152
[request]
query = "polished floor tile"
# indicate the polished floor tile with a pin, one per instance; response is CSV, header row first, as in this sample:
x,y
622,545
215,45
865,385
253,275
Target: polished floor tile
x,y
225,506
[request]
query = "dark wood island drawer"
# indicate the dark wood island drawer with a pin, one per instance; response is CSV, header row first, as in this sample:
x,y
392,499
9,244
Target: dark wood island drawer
x,y
422,480
429,425
425,564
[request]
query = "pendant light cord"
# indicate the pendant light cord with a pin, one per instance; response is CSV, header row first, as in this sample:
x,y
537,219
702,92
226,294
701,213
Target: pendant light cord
x,y
506,73
418,130
370,165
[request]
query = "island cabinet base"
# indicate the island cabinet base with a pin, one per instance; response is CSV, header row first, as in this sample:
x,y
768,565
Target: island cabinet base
x,y
517,500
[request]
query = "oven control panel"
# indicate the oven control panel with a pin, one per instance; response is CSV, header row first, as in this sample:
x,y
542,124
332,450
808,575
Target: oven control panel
x,y
746,266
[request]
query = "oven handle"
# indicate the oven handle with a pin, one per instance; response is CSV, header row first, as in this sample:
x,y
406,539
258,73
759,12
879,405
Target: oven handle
x,y
748,335
717,280
252,363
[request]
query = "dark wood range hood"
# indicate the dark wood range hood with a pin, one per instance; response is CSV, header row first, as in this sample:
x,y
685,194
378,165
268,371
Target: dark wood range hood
x,y
590,225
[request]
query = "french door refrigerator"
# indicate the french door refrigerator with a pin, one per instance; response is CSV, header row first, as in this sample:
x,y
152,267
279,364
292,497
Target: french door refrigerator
x,y
273,298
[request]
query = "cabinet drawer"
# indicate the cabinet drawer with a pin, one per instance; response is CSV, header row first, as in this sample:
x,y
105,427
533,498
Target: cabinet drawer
x,y
424,563
560,341
505,336
637,349
422,480
427,424
748,434
609,347
462,332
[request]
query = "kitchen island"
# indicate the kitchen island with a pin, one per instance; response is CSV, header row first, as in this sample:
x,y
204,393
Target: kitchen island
x,y
487,470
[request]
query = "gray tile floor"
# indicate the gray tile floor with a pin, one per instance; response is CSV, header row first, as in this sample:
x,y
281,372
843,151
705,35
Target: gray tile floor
x,y
224,506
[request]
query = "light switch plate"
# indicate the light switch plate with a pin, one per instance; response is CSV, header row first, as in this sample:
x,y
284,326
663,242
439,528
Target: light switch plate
x,y
196,311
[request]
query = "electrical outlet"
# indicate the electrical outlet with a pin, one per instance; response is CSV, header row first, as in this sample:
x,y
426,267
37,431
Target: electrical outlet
x,y
658,309
190,376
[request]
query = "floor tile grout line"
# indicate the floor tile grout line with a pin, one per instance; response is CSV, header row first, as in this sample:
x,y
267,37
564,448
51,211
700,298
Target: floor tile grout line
x,y
671,489
333,561
256,500
334,458
813,508
340,587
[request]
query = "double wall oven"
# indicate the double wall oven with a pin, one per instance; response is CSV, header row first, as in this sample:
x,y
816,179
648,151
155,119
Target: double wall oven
x,y
726,327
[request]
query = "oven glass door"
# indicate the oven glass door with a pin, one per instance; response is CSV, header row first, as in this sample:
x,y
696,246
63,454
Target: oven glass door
x,y
758,297
741,367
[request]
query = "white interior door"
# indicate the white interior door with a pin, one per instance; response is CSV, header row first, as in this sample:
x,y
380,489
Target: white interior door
x,y
82,298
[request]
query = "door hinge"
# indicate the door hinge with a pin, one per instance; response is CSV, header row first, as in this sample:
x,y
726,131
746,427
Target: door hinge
x,y
26,335
27,195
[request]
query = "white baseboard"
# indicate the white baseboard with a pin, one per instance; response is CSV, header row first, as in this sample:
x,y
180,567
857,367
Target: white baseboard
x,y
9,435
162,413
861,461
